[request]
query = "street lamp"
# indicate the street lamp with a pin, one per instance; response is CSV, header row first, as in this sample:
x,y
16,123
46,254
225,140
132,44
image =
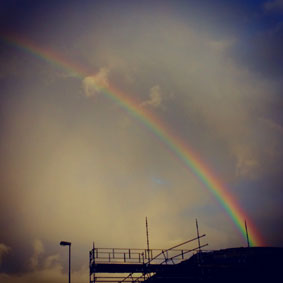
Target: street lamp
x,y
63,243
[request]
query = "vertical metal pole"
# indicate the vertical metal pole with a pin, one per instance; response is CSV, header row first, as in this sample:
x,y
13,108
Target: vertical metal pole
x,y
147,239
70,263
198,256
93,260
198,236
247,234
90,261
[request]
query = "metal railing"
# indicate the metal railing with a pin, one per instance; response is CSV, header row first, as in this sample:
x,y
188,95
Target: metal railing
x,y
169,260
143,261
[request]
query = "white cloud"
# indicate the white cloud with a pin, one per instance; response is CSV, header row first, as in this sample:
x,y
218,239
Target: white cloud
x,y
247,164
155,97
51,271
38,250
52,274
3,251
51,261
92,85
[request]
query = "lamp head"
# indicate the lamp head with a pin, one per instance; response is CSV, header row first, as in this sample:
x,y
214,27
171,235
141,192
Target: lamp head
x,y
64,243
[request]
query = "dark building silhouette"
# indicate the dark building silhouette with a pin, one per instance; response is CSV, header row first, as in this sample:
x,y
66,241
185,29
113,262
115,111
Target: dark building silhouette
x,y
257,264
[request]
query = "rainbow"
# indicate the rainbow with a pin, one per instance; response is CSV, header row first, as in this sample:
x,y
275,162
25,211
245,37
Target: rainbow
x,y
177,146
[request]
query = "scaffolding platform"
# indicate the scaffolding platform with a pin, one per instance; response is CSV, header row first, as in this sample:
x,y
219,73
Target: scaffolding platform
x,y
137,265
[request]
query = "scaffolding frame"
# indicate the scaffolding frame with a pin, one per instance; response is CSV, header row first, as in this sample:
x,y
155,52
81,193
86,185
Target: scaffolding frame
x,y
110,264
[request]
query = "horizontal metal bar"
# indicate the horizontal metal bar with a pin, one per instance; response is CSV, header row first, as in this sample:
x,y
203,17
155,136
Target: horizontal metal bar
x,y
130,263
128,280
134,258
188,251
186,242
170,249
121,277
125,249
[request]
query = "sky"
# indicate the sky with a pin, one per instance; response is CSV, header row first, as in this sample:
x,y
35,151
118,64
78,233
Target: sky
x,y
77,166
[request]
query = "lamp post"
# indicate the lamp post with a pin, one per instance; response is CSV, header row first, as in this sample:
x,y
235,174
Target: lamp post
x,y
63,243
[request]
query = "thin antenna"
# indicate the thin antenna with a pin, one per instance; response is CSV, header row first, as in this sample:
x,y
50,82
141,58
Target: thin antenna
x,y
93,249
92,261
147,238
247,234
198,236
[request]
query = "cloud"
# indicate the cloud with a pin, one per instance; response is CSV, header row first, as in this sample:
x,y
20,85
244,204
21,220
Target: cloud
x,y
221,45
92,85
272,125
38,250
4,250
155,97
51,261
50,271
80,158
247,164
274,6
53,274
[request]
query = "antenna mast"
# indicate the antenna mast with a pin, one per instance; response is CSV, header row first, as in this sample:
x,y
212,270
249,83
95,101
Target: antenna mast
x,y
247,234
198,236
147,238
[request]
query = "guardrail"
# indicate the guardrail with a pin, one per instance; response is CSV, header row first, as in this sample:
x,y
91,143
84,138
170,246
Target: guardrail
x,y
140,264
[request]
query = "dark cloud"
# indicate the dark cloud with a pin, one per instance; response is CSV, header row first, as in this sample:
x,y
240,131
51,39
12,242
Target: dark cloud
x,y
262,52
274,6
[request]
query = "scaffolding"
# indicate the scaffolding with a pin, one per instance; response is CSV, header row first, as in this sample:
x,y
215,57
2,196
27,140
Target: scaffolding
x,y
119,265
